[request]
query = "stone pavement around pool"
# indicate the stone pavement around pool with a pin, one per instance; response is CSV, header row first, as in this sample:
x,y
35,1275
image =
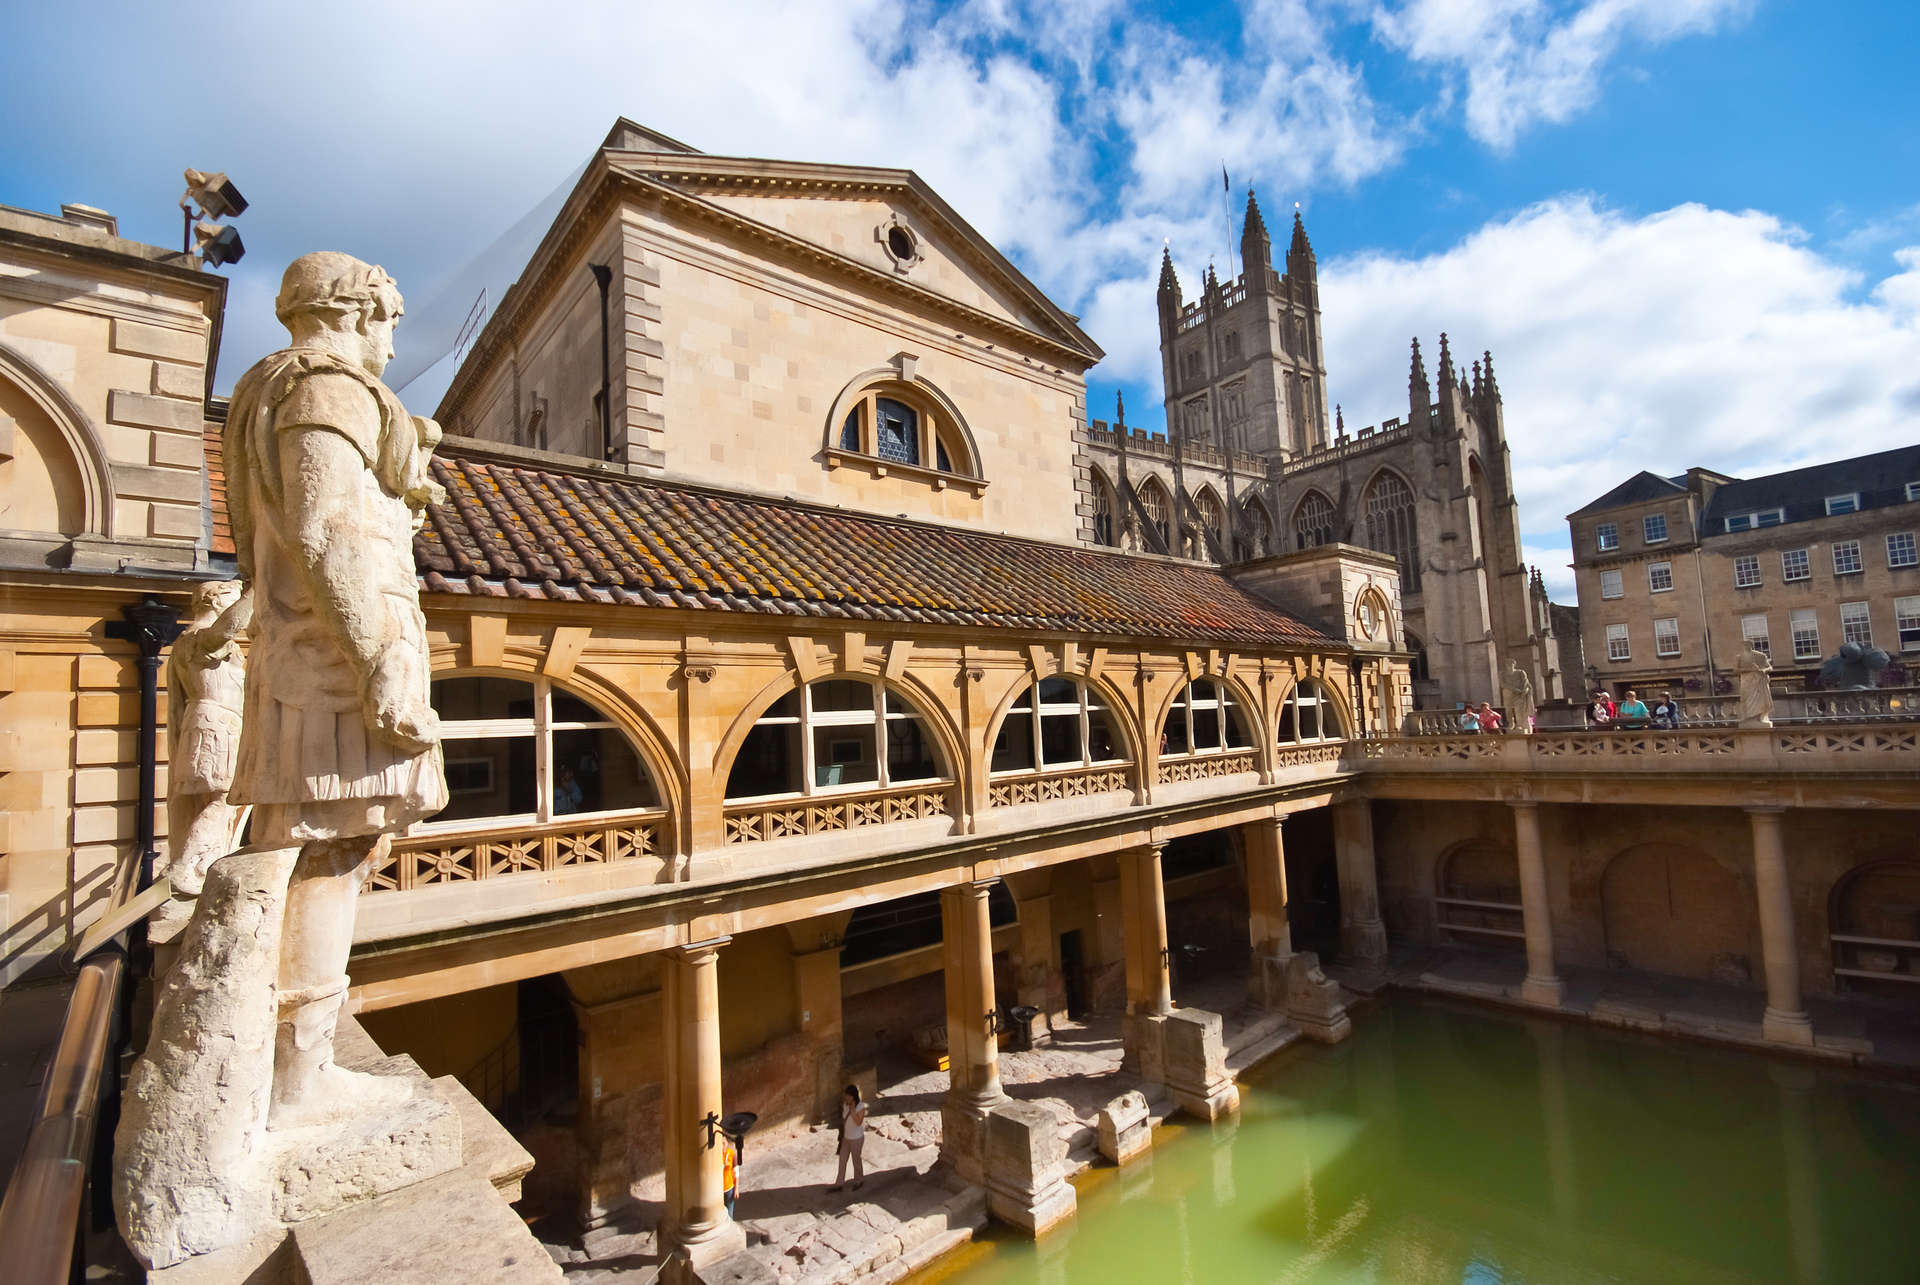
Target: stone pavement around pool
x,y
908,1212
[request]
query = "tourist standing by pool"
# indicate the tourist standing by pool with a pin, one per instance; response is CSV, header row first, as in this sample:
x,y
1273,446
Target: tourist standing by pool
x,y
853,1137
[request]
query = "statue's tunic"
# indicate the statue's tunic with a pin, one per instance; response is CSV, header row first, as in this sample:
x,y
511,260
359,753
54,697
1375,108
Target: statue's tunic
x,y
205,689
308,761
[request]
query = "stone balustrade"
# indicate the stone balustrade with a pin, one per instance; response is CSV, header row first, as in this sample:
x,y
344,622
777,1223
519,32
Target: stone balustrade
x,y
1201,767
422,861
1858,747
1716,711
1072,783
792,818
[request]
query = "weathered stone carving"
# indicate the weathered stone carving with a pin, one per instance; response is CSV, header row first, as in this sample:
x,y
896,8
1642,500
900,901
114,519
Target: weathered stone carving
x,y
1315,1003
1125,1130
1854,668
1756,687
237,1095
1518,689
206,686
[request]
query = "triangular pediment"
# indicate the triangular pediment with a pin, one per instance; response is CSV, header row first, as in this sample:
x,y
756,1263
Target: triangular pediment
x,y
849,213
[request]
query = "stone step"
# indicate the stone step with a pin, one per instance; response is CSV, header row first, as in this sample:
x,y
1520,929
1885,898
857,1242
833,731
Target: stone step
x,y
451,1228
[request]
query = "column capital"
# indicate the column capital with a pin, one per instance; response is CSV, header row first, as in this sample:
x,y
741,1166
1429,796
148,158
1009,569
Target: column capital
x,y
696,951
977,888
1524,805
1765,809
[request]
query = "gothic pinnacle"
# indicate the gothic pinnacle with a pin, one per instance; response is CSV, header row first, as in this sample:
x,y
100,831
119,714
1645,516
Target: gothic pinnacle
x,y
1300,243
1120,410
1417,379
1169,283
1446,363
1253,225
1493,387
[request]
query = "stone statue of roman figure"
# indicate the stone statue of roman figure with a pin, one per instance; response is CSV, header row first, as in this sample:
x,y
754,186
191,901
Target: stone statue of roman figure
x,y
206,681
1755,669
1518,691
236,1105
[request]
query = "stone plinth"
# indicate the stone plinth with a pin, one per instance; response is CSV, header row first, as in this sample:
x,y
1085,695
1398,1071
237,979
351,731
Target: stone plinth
x,y
1314,1003
963,1138
1196,1064
1143,1046
1027,1183
1124,1130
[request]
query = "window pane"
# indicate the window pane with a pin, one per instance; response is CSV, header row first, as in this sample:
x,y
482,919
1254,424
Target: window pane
x,y
1289,723
787,706
768,762
844,756
481,697
897,432
571,709
1013,748
1173,734
841,695
1206,716
598,770
850,431
1060,739
1237,738
1103,737
1307,713
910,755
490,776
1059,691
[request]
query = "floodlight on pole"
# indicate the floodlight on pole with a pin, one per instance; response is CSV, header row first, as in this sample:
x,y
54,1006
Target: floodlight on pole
x,y
215,197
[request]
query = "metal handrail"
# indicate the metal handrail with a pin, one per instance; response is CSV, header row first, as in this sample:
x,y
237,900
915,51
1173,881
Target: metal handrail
x,y
49,1188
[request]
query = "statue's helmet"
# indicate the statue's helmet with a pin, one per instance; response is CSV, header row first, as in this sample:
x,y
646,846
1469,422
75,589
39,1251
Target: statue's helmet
x,y
333,285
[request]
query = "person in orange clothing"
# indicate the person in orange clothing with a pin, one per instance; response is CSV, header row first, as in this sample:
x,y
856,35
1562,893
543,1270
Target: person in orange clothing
x,y
729,1172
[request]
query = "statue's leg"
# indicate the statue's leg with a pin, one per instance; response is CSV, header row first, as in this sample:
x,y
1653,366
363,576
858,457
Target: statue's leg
x,y
307,1087
200,831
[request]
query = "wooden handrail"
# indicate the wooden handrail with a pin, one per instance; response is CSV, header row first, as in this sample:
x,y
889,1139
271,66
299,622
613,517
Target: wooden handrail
x,y
40,1219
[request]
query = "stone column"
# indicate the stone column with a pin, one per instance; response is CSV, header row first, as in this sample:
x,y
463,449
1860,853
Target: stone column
x,y
973,1052
1143,907
1267,926
1786,1014
1543,984
1363,938
698,1228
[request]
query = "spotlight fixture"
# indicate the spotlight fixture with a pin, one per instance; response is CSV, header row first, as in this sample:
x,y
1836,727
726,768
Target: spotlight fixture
x,y
215,197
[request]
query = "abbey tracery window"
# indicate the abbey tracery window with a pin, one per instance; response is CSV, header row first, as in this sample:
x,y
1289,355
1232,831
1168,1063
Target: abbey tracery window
x,y
1055,724
1313,521
1159,511
1213,515
525,751
1390,526
1106,521
1309,715
834,736
1256,530
1204,719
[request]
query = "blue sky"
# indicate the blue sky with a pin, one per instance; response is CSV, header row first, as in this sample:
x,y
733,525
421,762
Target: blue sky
x,y
1689,229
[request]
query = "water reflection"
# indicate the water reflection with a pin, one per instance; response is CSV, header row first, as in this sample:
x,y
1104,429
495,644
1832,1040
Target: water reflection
x,y
1451,1144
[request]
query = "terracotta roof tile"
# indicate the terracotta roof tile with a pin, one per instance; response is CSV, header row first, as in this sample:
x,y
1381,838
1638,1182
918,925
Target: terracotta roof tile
x,y
508,531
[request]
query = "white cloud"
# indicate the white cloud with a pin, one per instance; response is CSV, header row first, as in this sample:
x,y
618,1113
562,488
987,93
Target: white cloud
x,y
1688,336
1527,61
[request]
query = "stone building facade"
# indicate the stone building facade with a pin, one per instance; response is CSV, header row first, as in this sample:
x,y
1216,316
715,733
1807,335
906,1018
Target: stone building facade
x,y
1678,575
1248,468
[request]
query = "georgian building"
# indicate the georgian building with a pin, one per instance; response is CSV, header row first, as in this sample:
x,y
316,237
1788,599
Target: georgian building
x,y
1248,468
1678,575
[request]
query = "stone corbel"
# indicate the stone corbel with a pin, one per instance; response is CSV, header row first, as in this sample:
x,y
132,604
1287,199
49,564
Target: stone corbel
x,y
1194,665
1041,661
1097,662
805,658
563,651
897,653
698,672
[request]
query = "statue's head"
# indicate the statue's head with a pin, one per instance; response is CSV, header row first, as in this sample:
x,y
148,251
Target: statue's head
x,y
354,305
1850,651
213,597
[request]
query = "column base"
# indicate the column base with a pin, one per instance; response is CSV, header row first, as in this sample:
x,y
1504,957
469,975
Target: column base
x,y
1548,992
963,1137
1143,1046
1784,1027
1027,1183
1267,982
1364,943
690,1257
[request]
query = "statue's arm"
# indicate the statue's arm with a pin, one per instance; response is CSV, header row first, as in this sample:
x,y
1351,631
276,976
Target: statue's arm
x,y
231,623
324,474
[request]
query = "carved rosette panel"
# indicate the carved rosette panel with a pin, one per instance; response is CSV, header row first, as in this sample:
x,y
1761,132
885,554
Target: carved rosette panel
x,y
1045,787
427,860
1207,766
763,823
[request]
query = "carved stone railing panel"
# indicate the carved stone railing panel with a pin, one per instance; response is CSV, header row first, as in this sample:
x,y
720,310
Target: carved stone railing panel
x,y
1849,740
1045,787
425,860
790,819
1308,755
1847,707
1866,746
1202,767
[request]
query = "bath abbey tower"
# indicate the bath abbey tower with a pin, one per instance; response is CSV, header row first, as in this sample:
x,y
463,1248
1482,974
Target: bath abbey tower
x,y
1248,470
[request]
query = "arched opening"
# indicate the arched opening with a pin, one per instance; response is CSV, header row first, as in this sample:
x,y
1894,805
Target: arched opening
x,y
1310,714
525,750
1391,526
1256,530
835,735
1213,515
1675,910
1054,724
1159,510
1875,928
1477,901
1313,521
1206,717
1106,513
893,980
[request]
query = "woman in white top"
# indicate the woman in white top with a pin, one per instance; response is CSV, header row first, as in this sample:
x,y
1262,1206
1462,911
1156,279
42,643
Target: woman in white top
x,y
853,1137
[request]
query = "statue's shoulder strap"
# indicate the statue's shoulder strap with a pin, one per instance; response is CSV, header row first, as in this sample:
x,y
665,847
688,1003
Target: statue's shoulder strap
x,y
318,390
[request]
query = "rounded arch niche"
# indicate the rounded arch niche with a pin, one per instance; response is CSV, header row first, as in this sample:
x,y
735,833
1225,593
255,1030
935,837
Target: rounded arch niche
x,y
63,469
891,418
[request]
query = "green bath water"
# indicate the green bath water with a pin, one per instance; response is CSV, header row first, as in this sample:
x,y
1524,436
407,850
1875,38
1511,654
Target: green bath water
x,y
1450,1144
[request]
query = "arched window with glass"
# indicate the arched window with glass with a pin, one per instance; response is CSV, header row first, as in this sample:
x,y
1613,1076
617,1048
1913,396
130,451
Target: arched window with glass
x,y
1054,725
1205,718
1106,519
1213,515
1313,521
1256,530
835,736
1310,715
1391,525
1159,510
898,422
522,750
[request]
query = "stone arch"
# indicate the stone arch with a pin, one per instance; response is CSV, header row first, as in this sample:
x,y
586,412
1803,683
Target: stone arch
x,y
1332,700
1256,528
1314,519
1476,885
934,714
1676,910
1116,700
1879,900
1242,696
882,379
656,752
1389,522
84,445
